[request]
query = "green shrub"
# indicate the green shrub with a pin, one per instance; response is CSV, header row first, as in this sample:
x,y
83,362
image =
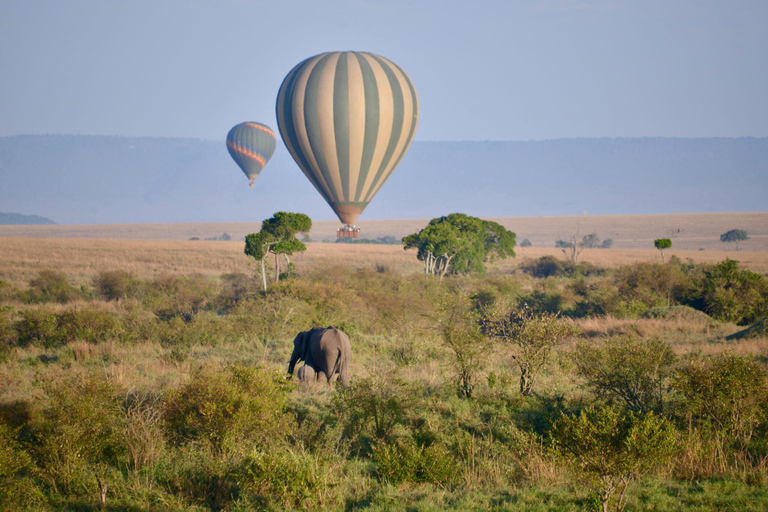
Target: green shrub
x,y
369,410
117,285
727,393
287,478
733,295
228,408
8,292
39,327
18,489
53,286
172,296
547,266
543,301
652,284
609,449
402,460
81,430
627,369
593,299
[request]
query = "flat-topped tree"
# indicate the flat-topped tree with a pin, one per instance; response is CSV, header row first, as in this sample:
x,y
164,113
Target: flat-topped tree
x,y
278,236
734,235
661,244
458,243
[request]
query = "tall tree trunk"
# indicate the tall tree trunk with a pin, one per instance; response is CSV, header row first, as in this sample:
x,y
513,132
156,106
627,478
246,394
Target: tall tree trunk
x,y
264,274
277,268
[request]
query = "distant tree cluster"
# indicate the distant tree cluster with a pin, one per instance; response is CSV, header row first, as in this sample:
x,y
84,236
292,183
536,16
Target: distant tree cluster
x,y
460,244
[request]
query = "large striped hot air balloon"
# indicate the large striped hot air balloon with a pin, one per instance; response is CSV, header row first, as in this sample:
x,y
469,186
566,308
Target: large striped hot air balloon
x,y
347,119
251,146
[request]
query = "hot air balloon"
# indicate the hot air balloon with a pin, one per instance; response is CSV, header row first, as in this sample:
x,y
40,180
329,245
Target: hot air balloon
x,y
251,146
347,118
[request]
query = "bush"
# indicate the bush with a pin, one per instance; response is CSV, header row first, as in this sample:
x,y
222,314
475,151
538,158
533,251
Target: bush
x,y
39,327
402,460
369,410
228,408
529,338
609,449
53,286
287,479
116,285
173,296
725,393
734,295
49,329
17,472
81,431
626,369
547,266
652,284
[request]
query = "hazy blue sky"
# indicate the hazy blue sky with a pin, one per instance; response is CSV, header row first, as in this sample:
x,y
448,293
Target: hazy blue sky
x,y
484,69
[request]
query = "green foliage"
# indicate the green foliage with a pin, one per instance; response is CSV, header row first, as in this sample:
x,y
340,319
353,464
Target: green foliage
x,y
460,244
286,478
18,490
652,284
624,368
52,286
277,236
526,243
81,431
117,285
220,407
662,243
370,409
528,338
727,393
609,448
171,296
562,244
459,326
733,295
734,235
402,460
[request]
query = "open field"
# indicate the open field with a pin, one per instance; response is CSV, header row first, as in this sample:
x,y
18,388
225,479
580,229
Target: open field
x,y
688,231
21,258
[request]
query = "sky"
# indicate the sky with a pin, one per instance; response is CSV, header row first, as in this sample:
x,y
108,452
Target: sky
x,y
483,69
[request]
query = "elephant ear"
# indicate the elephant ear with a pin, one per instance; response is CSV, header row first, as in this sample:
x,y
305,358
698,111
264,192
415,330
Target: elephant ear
x,y
305,353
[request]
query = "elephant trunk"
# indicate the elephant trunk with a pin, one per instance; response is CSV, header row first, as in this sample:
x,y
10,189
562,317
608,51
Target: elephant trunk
x,y
292,362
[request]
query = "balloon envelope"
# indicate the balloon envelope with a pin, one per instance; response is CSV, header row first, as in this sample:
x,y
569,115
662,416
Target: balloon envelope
x,y
251,145
347,118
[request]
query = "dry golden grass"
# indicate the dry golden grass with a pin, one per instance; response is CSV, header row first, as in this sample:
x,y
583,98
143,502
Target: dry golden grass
x,y
688,231
22,258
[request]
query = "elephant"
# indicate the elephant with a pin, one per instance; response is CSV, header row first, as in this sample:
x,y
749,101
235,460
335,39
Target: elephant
x,y
325,351
309,375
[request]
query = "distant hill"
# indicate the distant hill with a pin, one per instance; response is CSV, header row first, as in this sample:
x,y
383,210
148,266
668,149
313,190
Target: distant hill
x,y
92,179
7,218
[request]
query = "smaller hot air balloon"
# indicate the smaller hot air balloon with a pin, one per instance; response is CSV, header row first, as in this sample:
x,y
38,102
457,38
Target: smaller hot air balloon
x,y
251,146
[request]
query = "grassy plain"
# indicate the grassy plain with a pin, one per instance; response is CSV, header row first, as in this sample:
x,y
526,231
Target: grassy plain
x,y
692,231
23,257
191,307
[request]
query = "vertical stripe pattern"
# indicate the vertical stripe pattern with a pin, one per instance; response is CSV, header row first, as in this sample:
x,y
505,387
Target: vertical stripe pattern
x,y
347,118
251,145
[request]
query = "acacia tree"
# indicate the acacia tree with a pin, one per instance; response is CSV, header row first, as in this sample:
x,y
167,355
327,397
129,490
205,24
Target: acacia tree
x,y
661,244
734,235
459,243
277,236
530,338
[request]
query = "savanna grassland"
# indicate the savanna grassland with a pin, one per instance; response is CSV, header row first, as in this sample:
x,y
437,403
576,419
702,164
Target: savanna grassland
x,y
150,375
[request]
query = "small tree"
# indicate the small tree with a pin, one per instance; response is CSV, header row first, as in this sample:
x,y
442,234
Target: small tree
x,y
460,327
277,236
661,244
631,370
610,449
530,338
734,235
526,243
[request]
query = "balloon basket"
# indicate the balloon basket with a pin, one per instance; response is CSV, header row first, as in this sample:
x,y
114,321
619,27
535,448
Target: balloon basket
x,y
348,232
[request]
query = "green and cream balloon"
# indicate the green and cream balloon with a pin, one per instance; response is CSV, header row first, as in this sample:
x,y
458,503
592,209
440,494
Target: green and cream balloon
x,y
347,118
251,146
